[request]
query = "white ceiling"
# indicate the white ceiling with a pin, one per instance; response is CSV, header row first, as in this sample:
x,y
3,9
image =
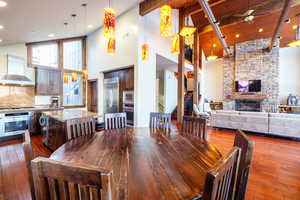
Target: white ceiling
x,y
34,20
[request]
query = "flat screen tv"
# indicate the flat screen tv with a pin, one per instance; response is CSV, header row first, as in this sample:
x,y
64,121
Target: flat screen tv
x,y
248,86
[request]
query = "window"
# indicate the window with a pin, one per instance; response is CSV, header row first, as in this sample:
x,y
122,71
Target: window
x,y
45,55
73,91
73,55
67,55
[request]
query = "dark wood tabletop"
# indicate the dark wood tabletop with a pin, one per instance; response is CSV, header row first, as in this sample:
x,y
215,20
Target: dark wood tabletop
x,y
146,163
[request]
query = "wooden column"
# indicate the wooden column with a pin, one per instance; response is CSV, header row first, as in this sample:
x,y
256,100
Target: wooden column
x,y
181,60
196,63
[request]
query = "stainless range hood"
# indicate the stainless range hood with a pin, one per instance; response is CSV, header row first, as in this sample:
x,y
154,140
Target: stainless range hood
x,y
15,80
15,72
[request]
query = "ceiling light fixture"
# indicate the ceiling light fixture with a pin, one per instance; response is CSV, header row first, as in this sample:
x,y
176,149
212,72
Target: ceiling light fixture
x,y
51,35
214,45
295,27
260,30
212,56
237,35
296,43
1,40
90,26
3,4
1,27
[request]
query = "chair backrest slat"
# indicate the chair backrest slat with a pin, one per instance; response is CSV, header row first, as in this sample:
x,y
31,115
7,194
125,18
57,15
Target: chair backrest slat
x,y
115,120
60,180
194,126
160,120
28,155
80,127
246,145
221,180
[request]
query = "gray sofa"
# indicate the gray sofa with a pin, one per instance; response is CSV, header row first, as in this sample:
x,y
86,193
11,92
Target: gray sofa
x,y
281,124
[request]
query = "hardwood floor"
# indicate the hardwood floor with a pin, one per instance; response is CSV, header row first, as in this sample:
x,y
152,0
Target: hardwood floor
x,y
274,175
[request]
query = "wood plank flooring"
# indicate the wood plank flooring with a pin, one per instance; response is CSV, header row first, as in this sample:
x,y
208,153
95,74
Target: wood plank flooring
x,y
275,172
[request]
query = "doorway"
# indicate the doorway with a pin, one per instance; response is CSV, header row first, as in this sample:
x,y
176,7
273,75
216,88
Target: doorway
x,y
92,96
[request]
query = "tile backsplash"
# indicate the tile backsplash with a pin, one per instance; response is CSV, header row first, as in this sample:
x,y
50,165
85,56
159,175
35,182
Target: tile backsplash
x,y
21,96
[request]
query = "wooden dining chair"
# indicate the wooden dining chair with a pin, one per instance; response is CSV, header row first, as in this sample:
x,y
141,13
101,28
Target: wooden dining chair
x,y
160,120
246,145
80,127
194,126
220,181
61,180
28,155
115,120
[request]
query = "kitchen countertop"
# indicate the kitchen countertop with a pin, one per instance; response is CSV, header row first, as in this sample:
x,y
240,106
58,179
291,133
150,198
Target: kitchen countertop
x,y
63,115
33,109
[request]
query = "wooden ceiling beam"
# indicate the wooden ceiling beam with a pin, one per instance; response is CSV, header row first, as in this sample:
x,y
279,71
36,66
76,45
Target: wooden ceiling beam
x,y
279,26
228,21
148,6
196,8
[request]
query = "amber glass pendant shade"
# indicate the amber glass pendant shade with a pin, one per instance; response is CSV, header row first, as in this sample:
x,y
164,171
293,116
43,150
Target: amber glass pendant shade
x,y
145,52
175,44
189,40
74,77
85,74
187,30
212,57
66,78
111,46
109,23
165,21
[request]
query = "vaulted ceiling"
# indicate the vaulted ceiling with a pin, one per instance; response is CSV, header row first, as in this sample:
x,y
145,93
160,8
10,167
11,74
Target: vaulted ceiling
x,y
231,15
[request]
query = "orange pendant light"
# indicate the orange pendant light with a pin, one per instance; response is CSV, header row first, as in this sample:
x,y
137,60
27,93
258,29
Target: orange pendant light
x,y
66,78
165,21
111,46
175,44
145,52
74,77
189,40
109,23
85,74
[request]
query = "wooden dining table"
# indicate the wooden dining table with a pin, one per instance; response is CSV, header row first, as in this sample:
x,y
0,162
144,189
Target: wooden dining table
x,y
146,163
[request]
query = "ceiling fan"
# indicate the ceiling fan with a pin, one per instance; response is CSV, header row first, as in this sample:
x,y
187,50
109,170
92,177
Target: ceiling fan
x,y
248,15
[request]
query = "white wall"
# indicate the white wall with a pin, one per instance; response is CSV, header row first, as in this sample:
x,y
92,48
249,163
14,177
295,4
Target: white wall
x,y
170,91
289,72
212,80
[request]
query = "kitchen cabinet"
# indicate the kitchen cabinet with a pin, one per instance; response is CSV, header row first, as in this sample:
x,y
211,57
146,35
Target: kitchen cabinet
x,y
48,81
34,126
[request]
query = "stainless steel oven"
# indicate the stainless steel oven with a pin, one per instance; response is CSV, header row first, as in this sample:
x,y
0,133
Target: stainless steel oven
x,y
128,105
14,123
128,97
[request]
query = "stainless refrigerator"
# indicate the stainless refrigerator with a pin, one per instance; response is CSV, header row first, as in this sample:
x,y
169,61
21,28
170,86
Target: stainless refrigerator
x,y
111,95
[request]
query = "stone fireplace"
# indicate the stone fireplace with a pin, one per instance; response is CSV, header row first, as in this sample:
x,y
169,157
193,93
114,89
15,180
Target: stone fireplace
x,y
252,62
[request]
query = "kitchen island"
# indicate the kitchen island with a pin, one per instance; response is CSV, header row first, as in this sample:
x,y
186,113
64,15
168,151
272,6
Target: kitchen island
x,y
54,125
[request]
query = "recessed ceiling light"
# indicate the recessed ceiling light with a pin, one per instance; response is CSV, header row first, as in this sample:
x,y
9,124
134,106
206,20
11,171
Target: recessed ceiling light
x,y
90,26
1,40
237,35
3,3
51,35
260,30
295,27
214,45
1,27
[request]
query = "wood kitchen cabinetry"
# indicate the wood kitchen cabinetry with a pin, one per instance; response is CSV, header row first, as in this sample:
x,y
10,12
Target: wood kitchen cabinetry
x,y
48,81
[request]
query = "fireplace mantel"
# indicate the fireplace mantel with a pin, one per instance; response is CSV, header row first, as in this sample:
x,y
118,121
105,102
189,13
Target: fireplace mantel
x,y
247,96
